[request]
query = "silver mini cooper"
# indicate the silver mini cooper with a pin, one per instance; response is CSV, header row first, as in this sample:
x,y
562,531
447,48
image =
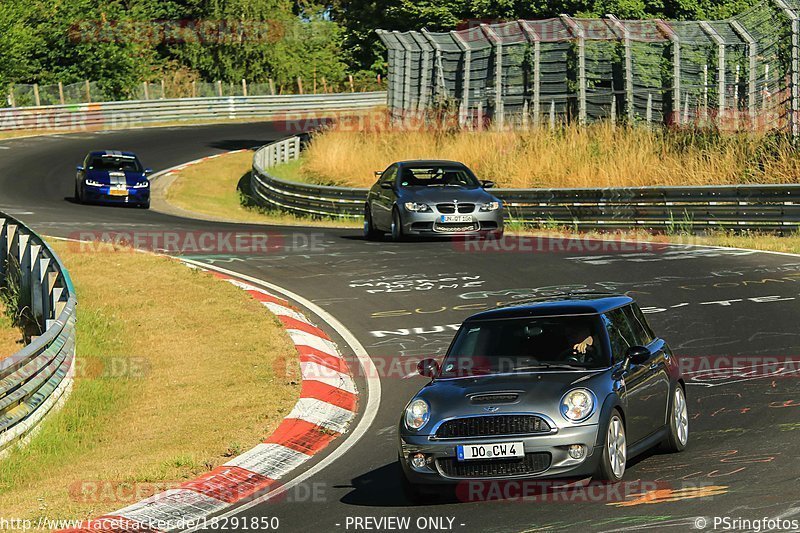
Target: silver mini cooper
x,y
566,388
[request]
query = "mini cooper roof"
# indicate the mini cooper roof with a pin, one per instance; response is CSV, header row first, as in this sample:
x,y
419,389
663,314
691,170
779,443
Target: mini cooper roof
x,y
558,305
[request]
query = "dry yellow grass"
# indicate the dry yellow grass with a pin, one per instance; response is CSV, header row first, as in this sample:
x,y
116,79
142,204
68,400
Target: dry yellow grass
x,y
10,336
600,155
212,188
177,371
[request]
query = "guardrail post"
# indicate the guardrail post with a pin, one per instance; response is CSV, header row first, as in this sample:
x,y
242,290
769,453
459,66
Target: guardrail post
x,y
296,147
3,248
49,278
24,261
36,284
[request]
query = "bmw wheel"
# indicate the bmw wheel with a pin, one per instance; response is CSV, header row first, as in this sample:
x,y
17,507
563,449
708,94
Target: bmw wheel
x,y
678,422
615,450
370,233
397,226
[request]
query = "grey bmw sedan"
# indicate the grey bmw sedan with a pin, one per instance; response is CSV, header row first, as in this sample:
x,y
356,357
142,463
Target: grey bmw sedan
x,y
431,198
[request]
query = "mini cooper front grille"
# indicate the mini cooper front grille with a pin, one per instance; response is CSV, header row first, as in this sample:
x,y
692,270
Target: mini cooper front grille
x,y
532,463
449,209
488,426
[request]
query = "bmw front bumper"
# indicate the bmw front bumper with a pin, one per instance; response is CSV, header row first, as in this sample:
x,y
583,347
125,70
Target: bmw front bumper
x,y
442,452
432,223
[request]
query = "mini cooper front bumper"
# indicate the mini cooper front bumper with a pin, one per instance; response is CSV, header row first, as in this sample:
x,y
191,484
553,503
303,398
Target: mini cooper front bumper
x,y
546,456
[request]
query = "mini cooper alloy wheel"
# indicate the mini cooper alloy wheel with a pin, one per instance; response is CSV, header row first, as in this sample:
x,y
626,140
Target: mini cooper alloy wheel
x,y
680,415
616,446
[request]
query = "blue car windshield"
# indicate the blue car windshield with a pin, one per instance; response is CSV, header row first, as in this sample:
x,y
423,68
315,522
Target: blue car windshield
x,y
437,176
115,163
526,345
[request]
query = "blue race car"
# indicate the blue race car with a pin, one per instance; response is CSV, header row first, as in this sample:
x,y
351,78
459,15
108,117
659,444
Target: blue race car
x,y
113,177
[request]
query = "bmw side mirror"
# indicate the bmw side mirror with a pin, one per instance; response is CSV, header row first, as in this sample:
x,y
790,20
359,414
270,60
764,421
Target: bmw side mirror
x,y
428,368
637,355
79,168
148,171
386,185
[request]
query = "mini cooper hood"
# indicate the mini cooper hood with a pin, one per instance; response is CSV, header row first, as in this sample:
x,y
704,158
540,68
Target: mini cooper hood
x,y
435,195
115,177
538,392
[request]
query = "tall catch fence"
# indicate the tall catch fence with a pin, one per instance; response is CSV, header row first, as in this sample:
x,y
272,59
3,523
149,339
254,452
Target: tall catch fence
x,y
737,73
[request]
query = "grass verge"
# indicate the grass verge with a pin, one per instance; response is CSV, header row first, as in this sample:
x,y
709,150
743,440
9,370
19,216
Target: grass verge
x,y
599,155
220,188
10,335
176,373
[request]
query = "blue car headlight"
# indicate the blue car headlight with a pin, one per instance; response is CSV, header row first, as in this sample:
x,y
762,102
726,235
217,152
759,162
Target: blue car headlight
x,y
417,414
93,183
417,207
490,206
142,184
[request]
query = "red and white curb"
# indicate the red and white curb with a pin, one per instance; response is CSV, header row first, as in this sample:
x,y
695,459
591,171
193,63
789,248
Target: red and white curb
x,y
327,405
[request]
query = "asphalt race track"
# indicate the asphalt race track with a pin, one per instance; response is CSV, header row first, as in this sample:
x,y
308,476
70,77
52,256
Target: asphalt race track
x,y
400,301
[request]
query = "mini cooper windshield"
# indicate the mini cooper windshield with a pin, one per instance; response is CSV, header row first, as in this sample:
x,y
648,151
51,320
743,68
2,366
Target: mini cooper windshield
x,y
526,345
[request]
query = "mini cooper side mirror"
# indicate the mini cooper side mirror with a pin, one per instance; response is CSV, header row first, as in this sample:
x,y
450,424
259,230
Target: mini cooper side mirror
x,y
637,355
386,185
487,184
428,368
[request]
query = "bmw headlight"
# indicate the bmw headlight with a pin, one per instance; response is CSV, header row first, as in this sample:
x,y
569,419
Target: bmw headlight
x,y
417,414
416,207
490,206
93,183
141,184
577,405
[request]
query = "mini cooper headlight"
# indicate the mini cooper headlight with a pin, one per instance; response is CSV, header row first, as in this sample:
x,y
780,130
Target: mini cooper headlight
x,y
491,206
93,183
577,405
417,414
141,184
416,207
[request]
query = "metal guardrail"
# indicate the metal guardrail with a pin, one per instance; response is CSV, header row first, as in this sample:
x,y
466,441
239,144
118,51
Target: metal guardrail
x,y
40,376
113,115
743,207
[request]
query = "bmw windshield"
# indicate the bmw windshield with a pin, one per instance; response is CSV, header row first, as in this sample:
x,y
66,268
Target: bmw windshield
x,y
438,176
526,345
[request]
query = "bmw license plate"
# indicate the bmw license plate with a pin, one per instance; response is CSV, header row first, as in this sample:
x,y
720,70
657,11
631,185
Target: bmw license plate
x,y
455,218
503,450
118,192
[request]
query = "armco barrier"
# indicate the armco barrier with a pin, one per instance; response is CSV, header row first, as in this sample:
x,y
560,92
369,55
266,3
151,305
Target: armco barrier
x,y
111,115
38,377
743,207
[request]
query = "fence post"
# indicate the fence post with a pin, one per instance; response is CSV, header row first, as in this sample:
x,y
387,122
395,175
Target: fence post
x,y
534,38
11,100
61,93
552,114
497,44
626,36
705,91
795,67
752,49
676,68
219,88
244,87
88,92
146,87
424,75
735,106
720,66
36,99
579,34
465,77
163,89
406,75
